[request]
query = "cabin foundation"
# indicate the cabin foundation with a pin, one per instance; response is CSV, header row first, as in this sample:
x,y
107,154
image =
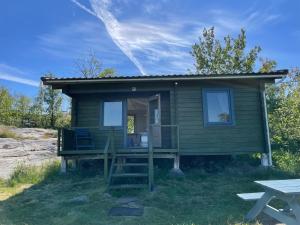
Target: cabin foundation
x,y
63,165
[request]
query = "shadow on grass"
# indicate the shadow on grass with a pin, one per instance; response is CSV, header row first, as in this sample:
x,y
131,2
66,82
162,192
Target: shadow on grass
x,y
202,197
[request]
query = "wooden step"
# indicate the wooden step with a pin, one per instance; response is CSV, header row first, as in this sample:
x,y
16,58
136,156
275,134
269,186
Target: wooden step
x,y
128,186
132,155
131,164
130,175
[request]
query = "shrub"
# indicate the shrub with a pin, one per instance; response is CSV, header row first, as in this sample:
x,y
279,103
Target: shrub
x,y
27,174
287,161
6,133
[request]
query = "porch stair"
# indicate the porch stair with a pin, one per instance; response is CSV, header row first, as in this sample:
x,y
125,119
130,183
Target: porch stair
x,y
130,171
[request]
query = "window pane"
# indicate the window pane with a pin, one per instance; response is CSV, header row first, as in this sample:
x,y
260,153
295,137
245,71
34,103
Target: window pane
x,y
218,109
130,124
112,114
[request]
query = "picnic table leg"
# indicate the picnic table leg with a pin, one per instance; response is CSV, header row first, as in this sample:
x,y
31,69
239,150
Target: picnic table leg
x,y
293,203
259,206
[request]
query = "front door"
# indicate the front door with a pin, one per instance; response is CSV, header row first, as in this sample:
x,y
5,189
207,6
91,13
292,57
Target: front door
x,y
154,110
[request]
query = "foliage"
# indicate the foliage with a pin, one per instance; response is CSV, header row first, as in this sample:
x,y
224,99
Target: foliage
x,y
44,111
53,103
28,174
91,67
283,101
6,105
108,72
287,161
267,65
211,56
7,133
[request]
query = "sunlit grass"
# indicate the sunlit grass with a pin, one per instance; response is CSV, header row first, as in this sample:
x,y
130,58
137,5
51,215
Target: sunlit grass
x,y
200,197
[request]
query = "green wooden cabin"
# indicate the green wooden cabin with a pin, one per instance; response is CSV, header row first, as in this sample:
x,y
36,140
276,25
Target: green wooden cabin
x,y
166,116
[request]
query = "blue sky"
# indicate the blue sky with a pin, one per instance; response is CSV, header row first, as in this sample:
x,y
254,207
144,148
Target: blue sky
x,y
133,36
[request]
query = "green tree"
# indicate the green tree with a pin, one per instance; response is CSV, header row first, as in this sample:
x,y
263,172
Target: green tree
x,y
6,106
22,108
211,56
283,101
108,72
53,103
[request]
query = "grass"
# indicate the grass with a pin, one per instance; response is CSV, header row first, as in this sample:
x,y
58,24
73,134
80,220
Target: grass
x,y
6,133
201,197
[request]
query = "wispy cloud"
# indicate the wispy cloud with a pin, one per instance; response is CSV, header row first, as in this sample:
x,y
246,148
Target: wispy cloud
x,y
113,27
152,44
15,75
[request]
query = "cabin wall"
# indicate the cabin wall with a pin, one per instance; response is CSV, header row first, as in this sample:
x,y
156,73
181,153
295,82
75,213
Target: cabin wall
x,y
246,135
181,104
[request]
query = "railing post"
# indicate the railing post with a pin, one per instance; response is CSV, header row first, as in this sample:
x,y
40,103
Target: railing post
x,y
62,139
150,160
108,142
178,138
58,141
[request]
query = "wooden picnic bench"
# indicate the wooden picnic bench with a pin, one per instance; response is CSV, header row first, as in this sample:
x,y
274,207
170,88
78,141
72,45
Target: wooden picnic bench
x,y
285,190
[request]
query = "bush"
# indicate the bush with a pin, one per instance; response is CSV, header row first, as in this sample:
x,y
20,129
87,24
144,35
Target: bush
x,y
6,133
27,174
287,161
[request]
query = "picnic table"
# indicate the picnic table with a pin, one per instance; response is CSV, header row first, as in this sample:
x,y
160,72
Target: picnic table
x,y
285,190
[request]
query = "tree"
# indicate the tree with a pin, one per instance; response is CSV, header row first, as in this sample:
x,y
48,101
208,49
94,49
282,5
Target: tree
x,y
91,67
212,57
6,104
283,101
108,72
53,103
37,109
22,107
267,65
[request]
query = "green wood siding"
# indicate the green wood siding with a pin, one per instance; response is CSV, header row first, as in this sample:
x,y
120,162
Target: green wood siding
x,y
183,106
245,136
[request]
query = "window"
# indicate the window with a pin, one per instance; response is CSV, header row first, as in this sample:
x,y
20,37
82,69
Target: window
x,y
217,107
130,124
113,114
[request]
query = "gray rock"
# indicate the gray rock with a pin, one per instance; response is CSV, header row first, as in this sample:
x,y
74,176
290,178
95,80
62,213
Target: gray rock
x,y
126,200
80,199
107,195
35,147
176,173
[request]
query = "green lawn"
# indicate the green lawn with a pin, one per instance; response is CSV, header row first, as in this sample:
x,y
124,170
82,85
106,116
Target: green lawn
x,y
199,198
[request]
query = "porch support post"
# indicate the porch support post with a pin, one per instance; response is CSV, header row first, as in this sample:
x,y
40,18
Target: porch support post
x,y
176,162
105,165
266,125
176,171
63,165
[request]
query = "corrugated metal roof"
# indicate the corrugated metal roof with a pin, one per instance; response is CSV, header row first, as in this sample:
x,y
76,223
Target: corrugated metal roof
x,y
63,80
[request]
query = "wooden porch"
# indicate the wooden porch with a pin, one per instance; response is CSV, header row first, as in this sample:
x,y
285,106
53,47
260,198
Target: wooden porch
x,y
115,155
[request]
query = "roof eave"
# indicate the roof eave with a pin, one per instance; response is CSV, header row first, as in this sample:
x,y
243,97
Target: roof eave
x,y
47,81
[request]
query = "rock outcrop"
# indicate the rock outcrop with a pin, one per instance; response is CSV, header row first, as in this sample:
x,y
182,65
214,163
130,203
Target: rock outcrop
x,y
32,146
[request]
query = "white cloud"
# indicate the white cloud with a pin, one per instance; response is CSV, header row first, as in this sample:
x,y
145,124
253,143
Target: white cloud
x,y
165,43
15,75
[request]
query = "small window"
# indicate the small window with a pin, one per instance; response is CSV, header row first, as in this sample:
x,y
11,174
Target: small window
x,y
217,107
112,114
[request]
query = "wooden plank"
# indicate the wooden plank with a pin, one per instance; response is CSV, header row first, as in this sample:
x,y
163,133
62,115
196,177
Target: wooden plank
x,y
288,186
250,196
259,206
80,152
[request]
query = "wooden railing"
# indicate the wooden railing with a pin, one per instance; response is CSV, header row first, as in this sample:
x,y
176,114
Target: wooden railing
x,y
174,135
